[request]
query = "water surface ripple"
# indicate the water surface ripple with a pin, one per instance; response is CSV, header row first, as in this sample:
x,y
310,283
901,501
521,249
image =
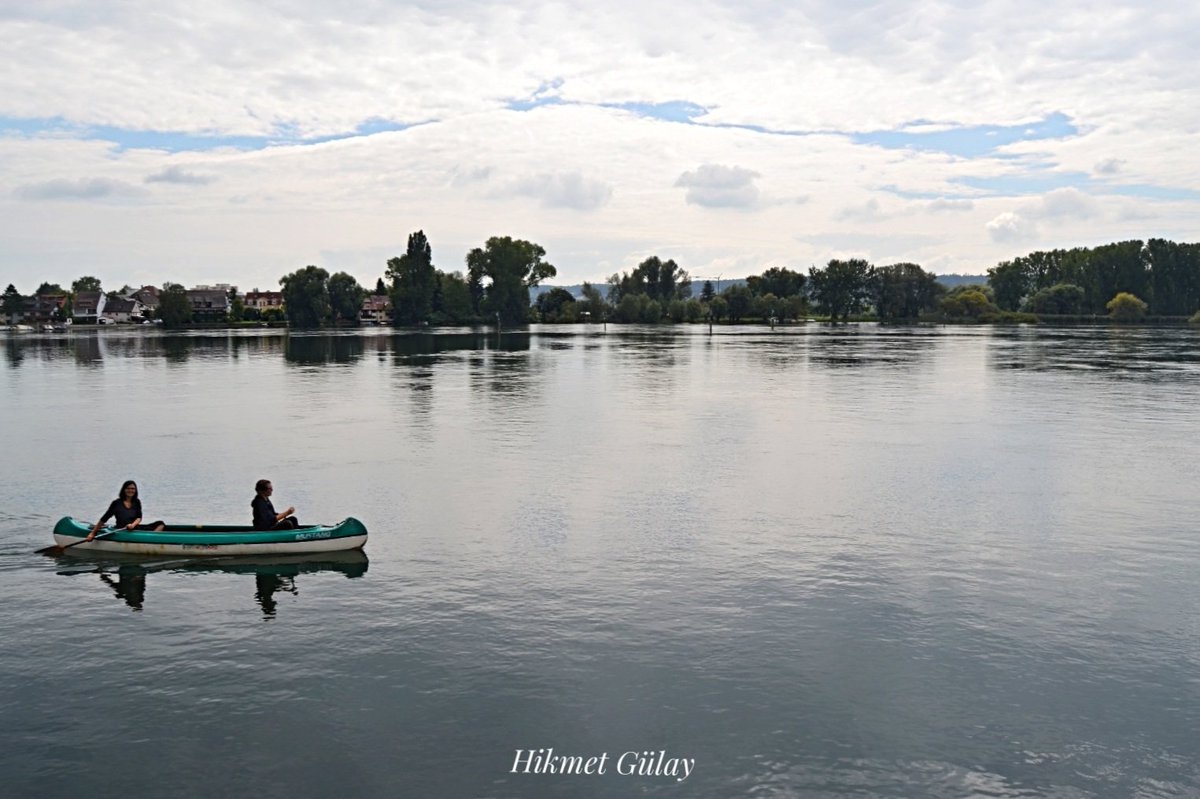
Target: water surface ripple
x,y
821,561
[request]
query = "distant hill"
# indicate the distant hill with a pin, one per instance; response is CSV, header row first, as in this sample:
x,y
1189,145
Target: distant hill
x,y
577,290
950,281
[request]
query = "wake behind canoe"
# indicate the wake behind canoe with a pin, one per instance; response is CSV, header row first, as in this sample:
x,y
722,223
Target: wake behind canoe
x,y
197,539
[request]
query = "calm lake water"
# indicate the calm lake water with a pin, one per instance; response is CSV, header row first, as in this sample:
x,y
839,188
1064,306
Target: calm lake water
x,y
819,562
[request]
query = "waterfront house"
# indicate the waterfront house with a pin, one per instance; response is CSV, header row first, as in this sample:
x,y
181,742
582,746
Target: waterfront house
x,y
264,300
147,296
123,311
44,310
89,306
376,310
209,304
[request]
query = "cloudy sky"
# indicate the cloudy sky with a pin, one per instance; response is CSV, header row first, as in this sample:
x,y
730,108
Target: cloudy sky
x,y
145,142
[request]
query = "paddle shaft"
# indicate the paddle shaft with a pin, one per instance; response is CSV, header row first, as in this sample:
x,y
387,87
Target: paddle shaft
x,y
56,549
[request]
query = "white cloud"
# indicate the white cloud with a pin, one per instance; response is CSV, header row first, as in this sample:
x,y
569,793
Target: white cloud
x,y
81,189
565,190
869,211
720,186
822,70
1011,227
1067,203
177,174
941,205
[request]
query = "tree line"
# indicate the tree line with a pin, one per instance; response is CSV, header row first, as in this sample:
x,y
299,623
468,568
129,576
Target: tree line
x,y
1126,280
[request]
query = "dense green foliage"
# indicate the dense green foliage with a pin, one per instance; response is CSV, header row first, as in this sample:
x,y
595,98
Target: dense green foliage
x,y
174,308
306,296
12,302
501,274
556,305
345,298
1126,307
778,280
655,278
1061,298
86,283
904,291
842,287
594,308
1166,273
414,282
968,302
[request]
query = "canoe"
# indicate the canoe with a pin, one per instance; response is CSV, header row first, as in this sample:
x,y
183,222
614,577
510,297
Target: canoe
x,y
194,540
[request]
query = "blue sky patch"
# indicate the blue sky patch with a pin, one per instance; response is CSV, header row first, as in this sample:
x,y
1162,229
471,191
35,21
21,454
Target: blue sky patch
x,y
1029,183
175,141
673,111
968,141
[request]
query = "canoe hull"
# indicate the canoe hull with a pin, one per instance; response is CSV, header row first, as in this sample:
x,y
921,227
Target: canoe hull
x,y
217,540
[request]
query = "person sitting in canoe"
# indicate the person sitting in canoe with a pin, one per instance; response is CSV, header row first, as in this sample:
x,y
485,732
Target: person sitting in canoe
x,y
265,517
126,511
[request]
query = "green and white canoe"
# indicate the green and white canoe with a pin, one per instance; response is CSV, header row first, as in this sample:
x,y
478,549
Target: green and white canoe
x,y
213,539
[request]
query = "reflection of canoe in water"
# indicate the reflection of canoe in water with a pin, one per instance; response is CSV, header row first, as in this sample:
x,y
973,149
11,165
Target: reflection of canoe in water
x,y
196,540
351,562
126,575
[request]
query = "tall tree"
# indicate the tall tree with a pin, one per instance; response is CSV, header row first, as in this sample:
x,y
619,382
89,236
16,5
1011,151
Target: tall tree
x,y
174,307
593,303
453,299
345,298
904,291
380,288
778,280
512,266
1113,269
1011,282
49,288
413,281
707,292
306,296
660,280
842,287
556,305
1175,277
738,302
86,283
12,303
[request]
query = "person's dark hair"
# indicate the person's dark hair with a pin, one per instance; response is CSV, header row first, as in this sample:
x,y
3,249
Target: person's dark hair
x,y
261,486
136,501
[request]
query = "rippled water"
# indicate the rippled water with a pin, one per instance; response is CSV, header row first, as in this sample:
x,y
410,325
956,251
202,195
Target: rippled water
x,y
820,562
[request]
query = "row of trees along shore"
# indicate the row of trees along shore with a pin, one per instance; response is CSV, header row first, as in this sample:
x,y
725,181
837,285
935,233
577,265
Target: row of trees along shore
x,y
1125,280
1128,281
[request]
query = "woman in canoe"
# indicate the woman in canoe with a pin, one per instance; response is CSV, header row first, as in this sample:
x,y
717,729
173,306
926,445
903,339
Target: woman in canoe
x,y
265,517
126,512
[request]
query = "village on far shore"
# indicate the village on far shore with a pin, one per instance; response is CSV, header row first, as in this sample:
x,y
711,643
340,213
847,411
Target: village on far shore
x,y
210,304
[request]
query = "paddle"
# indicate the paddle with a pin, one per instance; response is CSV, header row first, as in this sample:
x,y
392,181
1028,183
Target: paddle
x,y
58,550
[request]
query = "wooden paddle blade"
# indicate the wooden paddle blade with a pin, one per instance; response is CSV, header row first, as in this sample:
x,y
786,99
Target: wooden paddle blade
x,y
50,550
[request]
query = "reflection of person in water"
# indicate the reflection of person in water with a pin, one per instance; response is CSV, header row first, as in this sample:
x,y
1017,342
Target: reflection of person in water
x,y
266,585
130,585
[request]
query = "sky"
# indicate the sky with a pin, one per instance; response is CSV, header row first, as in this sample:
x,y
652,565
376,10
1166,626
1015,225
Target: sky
x,y
234,142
